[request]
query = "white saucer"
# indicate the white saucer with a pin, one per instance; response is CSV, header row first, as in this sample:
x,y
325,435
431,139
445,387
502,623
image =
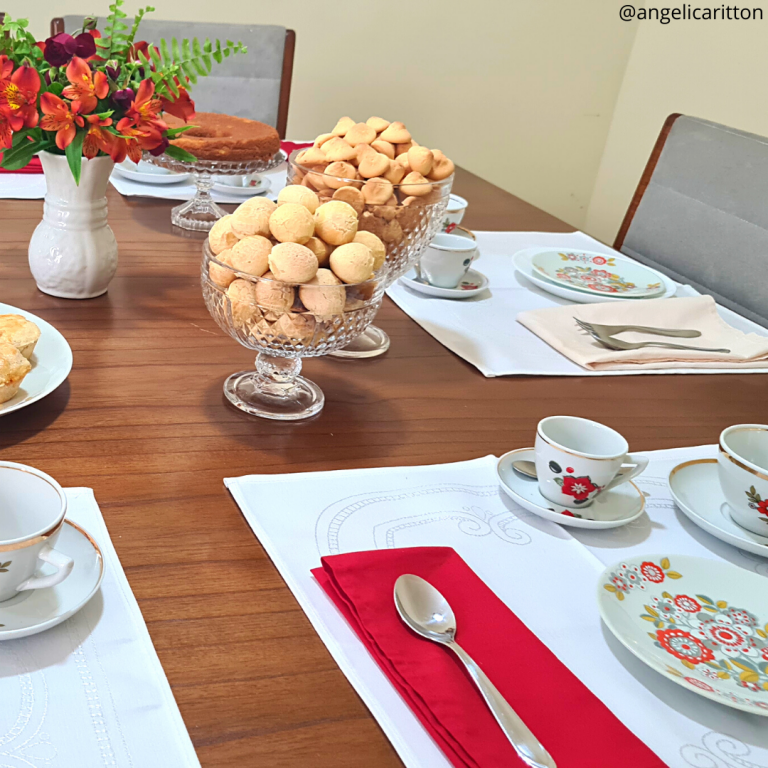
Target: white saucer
x,y
39,609
611,509
473,282
146,173
257,185
522,261
695,487
51,363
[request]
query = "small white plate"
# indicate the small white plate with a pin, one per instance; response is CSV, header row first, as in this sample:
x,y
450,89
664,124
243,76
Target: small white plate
x,y
39,609
695,487
611,509
249,186
522,263
700,623
472,283
146,173
51,363
597,273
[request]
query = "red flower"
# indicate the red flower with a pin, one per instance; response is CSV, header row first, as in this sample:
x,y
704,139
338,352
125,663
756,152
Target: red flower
x,y
18,94
578,487
683,646
6,67
97,139
599,260
448,229
762,507
687,604
57,117
601,273
6,131
184,108
87,87
144,109
652,572
602,288
133,51
566,512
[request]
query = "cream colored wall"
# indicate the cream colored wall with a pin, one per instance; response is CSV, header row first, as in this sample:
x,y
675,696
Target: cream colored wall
x,y
520,92
715,70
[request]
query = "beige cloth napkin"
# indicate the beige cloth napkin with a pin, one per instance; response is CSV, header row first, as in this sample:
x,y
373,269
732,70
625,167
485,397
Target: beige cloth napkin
x,y
556,326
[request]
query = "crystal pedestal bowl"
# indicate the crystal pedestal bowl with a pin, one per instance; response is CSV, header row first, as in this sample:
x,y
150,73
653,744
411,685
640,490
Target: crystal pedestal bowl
x,y
283,323
201,212
405,217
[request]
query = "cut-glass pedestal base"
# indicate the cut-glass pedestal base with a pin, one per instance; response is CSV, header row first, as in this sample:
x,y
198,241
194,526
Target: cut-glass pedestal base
x,y
370,343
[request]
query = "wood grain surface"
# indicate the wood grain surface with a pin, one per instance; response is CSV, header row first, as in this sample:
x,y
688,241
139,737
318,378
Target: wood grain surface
x,y
143,421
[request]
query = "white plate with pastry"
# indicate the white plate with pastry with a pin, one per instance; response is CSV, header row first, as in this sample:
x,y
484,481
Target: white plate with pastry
x,y
34,358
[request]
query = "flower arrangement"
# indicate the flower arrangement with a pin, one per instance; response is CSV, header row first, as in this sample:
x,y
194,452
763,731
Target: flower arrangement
x,y
97,93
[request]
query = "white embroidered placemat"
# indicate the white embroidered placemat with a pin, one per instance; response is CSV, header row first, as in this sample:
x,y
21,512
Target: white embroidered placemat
x,y
483,329
547,574
22,186
91,692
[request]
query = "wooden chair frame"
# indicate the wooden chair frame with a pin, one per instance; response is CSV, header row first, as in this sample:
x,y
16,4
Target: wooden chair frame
x,y
645,179
57,26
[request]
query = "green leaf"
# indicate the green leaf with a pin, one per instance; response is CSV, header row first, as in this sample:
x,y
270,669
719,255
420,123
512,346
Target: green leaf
x,y
177,57
166,56
173,132
15,159
56,88
74,153
177,153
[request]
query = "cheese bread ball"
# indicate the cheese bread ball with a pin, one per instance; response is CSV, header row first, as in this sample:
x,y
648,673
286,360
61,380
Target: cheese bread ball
x,y
295,193
352,263
321,250
292,263
336,222
292,223
295,326
221,235
274,296
222,276
324,294
378,249
243,299
251,255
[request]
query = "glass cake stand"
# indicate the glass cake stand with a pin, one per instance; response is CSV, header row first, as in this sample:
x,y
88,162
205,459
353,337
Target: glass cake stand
x,y
201,212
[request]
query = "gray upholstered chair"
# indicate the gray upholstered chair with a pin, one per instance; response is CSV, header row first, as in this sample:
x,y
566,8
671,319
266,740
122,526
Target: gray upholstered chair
x,y
256,85
700,213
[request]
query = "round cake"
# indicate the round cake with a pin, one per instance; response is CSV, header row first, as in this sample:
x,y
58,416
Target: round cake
x,y
224,137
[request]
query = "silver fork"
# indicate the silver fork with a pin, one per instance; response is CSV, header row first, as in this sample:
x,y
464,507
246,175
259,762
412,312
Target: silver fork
x,y
612,330
617,344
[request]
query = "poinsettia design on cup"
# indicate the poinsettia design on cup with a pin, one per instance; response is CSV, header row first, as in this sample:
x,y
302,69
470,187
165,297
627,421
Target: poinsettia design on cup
x,y
581,488
758,503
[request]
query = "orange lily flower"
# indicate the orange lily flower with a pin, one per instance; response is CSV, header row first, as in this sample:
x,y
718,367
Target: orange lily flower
x,y
87,87
18,94
97,138
144,109
57,117
181,106
139,138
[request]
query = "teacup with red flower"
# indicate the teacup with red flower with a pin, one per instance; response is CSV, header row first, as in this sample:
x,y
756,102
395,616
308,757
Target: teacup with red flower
x,y
578,459
742,466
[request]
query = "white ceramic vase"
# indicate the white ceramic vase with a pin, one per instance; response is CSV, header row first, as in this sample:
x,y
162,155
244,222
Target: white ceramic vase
x,y
73,252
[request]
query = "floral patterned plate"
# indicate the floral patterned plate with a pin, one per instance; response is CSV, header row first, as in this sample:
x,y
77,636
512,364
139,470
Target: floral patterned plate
x,y
701,623
611,509
471,284
695,487
598,273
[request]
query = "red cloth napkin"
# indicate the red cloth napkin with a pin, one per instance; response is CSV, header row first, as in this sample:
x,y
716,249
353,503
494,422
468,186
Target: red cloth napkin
x,y
34,166
577,729
289,146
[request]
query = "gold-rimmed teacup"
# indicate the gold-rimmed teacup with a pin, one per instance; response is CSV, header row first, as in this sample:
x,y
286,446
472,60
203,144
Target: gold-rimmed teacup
x,y
742,466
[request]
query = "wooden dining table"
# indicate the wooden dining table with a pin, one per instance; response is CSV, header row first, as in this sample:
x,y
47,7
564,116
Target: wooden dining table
x,y
143,421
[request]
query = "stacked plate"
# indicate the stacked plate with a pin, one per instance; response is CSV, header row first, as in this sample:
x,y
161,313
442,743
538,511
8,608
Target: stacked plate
x,y
588,277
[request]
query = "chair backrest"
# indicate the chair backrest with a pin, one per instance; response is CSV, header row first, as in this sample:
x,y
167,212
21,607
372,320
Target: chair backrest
x,y
700,213
255,85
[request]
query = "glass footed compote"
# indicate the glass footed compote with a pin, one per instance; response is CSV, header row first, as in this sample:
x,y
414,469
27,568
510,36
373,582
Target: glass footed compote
x,y
274,318
405,223
201,212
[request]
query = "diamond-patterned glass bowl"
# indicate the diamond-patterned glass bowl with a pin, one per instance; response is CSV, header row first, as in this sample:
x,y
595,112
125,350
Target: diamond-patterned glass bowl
x,y
405,224
273,318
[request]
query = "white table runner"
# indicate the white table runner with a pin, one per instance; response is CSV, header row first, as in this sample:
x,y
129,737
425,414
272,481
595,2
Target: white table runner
x,y
22,186
91,692
483,329
545,573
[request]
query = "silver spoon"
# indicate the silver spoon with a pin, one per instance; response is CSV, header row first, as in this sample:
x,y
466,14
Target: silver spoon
x,y
527,468
428,614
